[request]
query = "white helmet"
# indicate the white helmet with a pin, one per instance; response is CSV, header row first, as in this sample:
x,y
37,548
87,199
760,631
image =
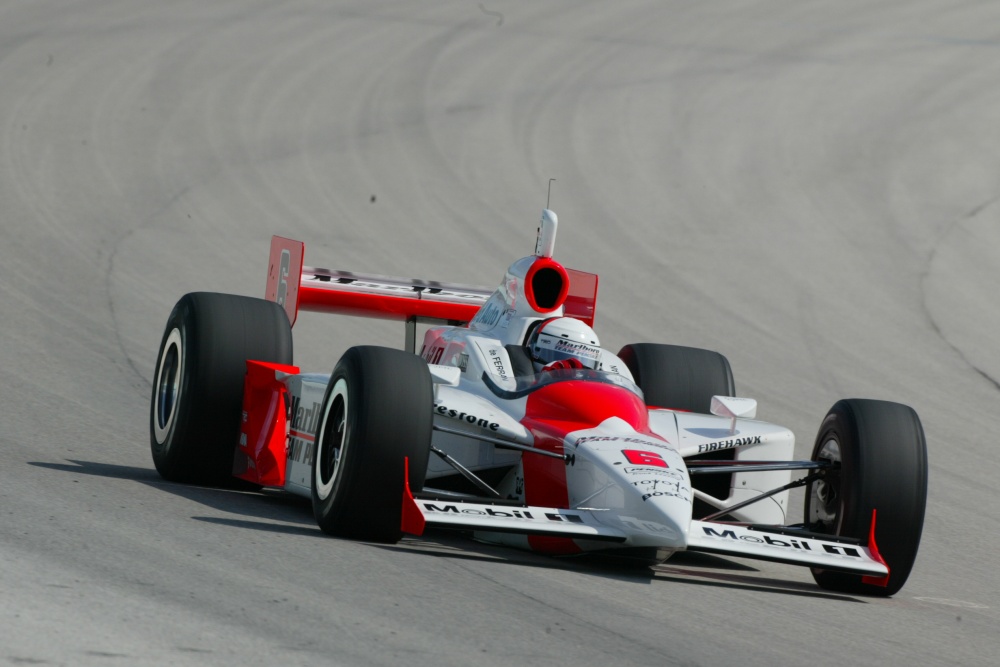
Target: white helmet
x,y
564,338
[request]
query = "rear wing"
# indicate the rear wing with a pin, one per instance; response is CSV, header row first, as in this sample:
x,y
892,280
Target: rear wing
x,y
297,287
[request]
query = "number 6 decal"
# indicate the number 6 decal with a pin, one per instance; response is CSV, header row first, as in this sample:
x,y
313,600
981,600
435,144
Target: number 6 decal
x,y
286,260
638,457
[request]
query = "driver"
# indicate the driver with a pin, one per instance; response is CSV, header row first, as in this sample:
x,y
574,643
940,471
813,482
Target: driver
x,y
563,342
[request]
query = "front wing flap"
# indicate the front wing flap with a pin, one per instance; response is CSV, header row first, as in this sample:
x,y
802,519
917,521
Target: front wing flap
x,y
788,546
420,513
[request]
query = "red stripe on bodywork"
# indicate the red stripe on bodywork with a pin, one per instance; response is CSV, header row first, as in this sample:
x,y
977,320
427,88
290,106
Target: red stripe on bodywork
x,y
545,486
553,412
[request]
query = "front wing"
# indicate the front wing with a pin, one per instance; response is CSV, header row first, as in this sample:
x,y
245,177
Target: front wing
x,y
773,543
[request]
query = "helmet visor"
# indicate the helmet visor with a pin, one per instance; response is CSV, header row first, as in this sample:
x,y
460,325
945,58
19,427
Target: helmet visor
x,y
547,349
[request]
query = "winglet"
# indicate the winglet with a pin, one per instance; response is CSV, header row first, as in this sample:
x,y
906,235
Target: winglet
x,y
413,521
877,557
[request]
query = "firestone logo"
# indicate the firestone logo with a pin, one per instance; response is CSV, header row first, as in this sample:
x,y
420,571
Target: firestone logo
x,y
445,411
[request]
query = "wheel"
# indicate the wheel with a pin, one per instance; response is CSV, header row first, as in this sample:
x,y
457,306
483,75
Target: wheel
x,y
377,412
681,378
882,460
196,407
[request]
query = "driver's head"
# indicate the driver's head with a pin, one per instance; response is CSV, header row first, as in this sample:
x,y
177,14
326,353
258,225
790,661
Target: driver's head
x,y
564,338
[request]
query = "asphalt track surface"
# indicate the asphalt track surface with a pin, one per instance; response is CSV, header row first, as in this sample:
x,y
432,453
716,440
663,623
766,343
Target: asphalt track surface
x,y
810,188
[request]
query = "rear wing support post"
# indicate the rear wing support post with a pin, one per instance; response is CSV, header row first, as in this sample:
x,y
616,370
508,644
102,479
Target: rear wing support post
x,y
410,337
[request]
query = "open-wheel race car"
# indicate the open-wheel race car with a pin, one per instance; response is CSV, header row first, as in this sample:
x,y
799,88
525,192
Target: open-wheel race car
x,y
515,425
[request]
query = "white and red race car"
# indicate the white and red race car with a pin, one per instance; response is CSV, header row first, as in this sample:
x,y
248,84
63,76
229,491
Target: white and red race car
x,y
513,424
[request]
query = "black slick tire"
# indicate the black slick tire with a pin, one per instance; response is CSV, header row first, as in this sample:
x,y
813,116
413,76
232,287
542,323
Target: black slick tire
x,y
377,412
882,457
196,406
679,378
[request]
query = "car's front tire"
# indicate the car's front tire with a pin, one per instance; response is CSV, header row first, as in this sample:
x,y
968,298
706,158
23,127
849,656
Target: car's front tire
x,y
196,406
880,458
377,412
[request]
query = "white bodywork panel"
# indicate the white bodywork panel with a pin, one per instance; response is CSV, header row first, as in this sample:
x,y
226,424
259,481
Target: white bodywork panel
x,y
752,441
306,399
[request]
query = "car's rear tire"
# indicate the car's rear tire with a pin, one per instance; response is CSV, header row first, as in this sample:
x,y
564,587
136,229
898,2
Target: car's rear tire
x,y
196,407
882,454
676,377
377,412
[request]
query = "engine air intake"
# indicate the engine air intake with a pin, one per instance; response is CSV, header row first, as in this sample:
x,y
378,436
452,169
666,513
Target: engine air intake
x,y
546,285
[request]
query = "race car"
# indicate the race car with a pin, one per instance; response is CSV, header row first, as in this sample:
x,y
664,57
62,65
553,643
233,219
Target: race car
x,y
514,425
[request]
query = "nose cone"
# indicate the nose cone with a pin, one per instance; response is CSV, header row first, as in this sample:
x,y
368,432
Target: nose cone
x,y
641,480
660,514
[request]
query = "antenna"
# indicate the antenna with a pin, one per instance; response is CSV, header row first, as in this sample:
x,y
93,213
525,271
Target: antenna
x,y
549,197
